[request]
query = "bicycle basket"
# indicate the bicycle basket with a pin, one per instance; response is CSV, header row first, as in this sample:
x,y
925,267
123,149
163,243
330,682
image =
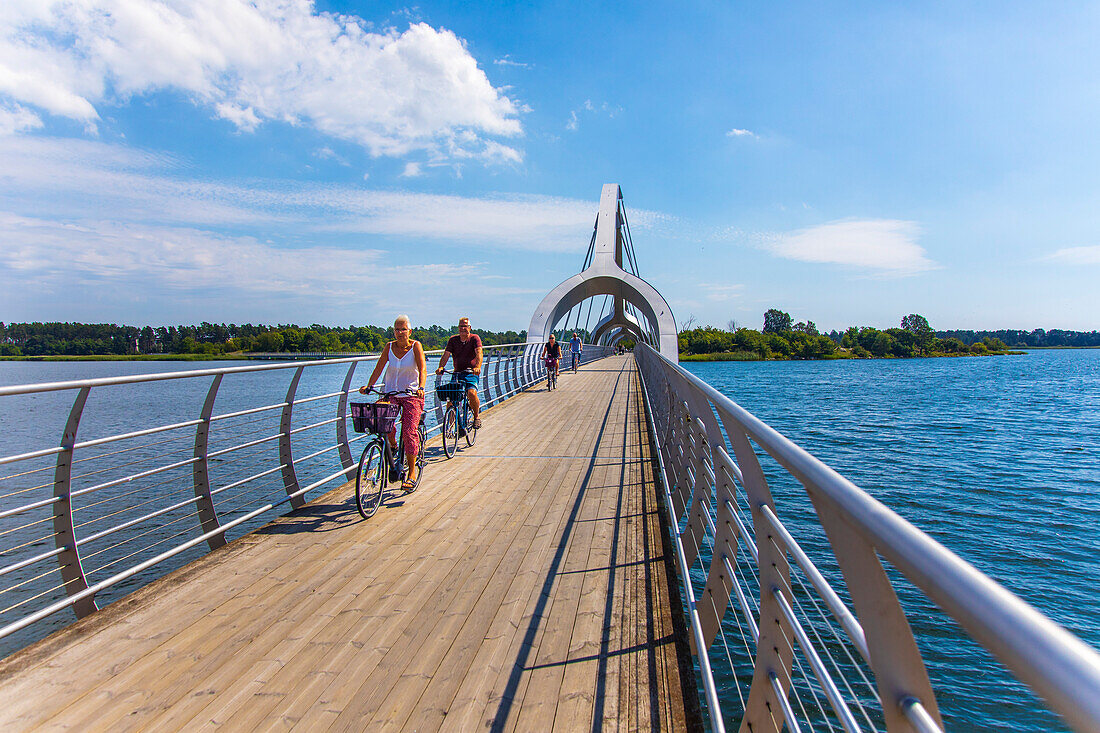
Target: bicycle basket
x,y
374,417
453,391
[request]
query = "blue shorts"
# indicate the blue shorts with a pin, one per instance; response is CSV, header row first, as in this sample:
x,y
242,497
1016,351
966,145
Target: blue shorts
x,y
470,380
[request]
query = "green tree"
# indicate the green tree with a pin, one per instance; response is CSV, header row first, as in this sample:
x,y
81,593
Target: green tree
x,y
776,321
918,326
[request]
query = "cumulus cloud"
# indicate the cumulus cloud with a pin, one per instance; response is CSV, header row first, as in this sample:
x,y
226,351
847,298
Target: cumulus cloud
x,y
1076,255
252,62
738,132
885,246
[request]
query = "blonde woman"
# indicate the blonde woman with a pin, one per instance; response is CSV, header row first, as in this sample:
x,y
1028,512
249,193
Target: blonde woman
x,y
406,369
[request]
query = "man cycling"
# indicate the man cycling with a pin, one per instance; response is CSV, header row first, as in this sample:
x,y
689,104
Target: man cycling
x,y
465,349
575,348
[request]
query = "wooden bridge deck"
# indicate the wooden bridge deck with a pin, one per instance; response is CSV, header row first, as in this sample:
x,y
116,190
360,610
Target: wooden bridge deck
x,y
523,587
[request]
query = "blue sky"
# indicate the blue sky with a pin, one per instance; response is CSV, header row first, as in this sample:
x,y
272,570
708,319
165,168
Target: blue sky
x,y
340,162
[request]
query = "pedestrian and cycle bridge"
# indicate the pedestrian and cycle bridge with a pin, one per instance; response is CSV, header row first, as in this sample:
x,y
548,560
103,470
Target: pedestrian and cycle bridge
x,y
610,555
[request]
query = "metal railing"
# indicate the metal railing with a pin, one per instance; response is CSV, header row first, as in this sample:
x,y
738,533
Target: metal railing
x,y
170,465
760,608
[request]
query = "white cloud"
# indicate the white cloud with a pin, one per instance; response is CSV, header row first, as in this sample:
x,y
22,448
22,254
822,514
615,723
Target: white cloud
x,y
1076,255
251,62
150,273
722,291
887,246
412,170
507,61
604,108
327,153
738,132
243,117
80,179
15,118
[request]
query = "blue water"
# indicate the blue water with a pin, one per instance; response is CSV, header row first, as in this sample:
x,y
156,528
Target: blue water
x,y
997,458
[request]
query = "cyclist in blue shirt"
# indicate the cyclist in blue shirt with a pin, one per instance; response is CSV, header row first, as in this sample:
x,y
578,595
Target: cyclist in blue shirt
x,y
575,348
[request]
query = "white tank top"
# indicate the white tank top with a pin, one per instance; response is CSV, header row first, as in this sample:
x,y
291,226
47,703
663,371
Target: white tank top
x,y
401,374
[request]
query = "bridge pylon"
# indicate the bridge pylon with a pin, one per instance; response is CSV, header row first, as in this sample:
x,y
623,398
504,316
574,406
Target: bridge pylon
x,y
636,309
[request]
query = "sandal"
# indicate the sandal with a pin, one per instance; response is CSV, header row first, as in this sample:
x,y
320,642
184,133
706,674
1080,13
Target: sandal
x,y
477,424
407,485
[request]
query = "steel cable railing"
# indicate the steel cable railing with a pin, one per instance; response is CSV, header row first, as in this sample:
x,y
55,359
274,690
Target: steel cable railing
x,y
176,461
857,658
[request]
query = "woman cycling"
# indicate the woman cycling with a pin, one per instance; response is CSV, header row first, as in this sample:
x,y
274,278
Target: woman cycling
x,y
406,369
551,352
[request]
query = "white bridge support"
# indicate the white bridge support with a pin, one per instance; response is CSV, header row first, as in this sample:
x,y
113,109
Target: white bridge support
x,y
606,276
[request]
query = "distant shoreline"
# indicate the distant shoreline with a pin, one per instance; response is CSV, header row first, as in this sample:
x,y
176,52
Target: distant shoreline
x,y
734,356
751,356
130,357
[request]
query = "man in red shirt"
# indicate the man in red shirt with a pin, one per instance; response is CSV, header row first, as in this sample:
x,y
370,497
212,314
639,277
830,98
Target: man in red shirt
x,y
465,349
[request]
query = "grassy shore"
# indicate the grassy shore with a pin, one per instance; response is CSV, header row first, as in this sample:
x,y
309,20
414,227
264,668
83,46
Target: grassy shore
x,y
131,357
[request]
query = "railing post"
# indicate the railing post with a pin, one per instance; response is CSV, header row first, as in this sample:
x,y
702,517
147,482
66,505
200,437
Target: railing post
x,y
532,367
200,470
496,373
774,647
702,480
286,453
438,402
895,659
726,539
72,570
677,460
346,459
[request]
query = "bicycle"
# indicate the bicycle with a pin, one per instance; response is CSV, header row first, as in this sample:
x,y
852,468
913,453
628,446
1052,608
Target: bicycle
x,y
457,415
378,464
576,360
551,374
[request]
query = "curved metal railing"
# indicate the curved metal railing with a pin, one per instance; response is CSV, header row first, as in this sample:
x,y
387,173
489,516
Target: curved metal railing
x,y
761,609
170,465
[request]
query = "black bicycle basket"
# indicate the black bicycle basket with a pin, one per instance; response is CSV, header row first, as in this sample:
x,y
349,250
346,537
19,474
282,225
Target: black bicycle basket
x,y
374,417
453,391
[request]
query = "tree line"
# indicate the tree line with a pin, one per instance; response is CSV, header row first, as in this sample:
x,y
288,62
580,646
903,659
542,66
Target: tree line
x,y
1038,338
92,339
780,338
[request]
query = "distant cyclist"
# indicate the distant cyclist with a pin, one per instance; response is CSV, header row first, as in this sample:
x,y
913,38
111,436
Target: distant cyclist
x,y
465,349
551,352
575,348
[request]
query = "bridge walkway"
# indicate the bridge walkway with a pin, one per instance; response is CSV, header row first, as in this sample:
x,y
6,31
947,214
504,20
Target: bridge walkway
x,y
525,586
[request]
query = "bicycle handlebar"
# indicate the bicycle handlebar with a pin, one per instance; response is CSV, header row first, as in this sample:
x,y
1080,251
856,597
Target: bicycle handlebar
x,y
380,393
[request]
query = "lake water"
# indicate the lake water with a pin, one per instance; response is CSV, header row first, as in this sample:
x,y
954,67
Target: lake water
x,y
997,458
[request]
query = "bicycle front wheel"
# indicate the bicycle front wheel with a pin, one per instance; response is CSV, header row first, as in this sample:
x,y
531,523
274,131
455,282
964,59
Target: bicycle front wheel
x,y
370,480
468,421
450,432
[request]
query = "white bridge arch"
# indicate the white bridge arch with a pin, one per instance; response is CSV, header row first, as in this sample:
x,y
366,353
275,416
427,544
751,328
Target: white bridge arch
x,y
637,310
